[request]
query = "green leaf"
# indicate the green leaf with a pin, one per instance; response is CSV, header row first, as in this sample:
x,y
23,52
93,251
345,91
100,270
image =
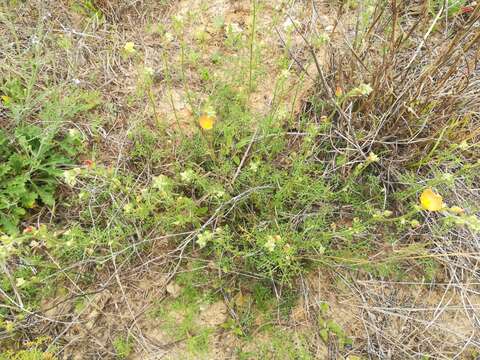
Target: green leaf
x,y
9,224
18,162
18,211
335,328
46,195
4,169
324,307
28,199
324,335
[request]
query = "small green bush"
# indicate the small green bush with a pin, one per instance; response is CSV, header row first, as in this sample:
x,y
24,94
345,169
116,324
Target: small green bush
x,y
31,160
123,347
33,156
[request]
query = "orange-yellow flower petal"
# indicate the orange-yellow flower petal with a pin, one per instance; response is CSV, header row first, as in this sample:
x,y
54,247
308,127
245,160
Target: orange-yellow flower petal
x,y
431,201
28,229
88,163
338,91
206,122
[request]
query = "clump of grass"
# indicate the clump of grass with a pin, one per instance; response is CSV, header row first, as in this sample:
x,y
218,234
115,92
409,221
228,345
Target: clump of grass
x,y
277,343
179,316
123,347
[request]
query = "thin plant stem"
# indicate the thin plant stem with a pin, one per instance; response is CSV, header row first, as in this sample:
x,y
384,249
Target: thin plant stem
x,y
170,92
252,40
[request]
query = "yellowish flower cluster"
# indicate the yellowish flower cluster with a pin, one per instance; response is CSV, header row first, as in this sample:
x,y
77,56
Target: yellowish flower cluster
x,y
206,122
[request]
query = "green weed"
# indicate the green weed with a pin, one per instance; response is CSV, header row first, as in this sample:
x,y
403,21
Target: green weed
x,y
263,195
278,344
123,347
33,157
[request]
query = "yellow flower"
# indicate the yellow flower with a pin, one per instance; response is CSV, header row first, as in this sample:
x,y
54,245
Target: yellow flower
x,y
372,157
414,224
387,213
457,210
20,282
206,122
272,242
9,326
129,48
431,201
7,100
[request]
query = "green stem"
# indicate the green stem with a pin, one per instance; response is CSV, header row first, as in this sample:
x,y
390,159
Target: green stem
x,y
170,92
252,39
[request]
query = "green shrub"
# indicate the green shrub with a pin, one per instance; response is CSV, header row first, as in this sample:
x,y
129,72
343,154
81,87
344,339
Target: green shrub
x,y
31,161
33,155
123,347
